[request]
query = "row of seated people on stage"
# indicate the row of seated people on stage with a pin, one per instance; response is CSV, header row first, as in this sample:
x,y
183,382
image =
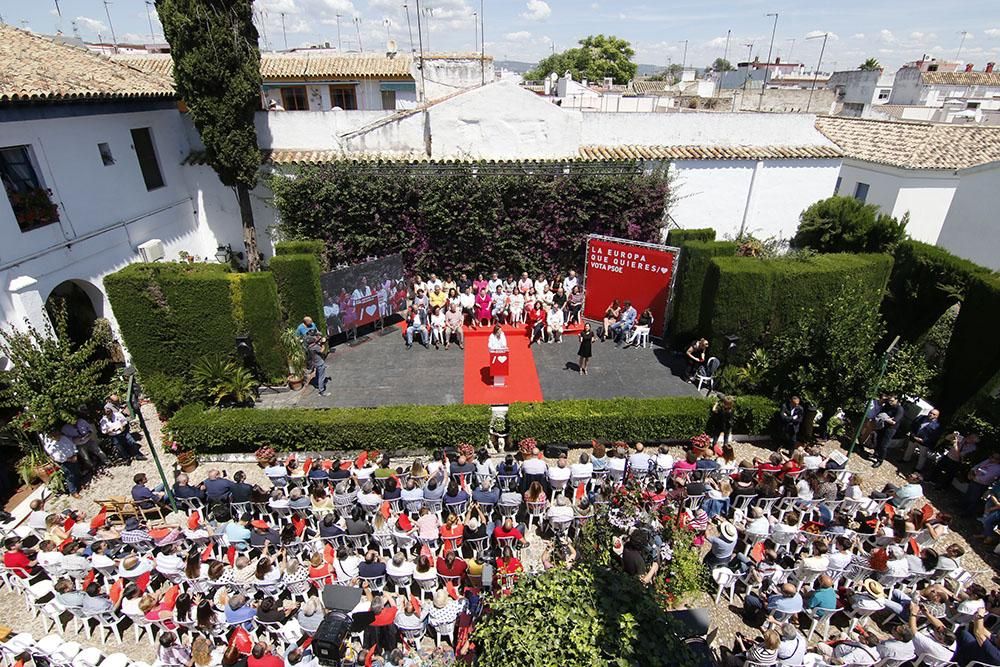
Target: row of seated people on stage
x,y
622,321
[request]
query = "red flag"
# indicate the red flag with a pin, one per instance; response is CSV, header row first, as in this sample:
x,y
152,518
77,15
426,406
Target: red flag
x,y
581,490
361,460
386,509
328,554
193,520
89,579
927,511
142,581
416,604
305,644
915,547
231,555
116,591
370,657
757,553
206,555
452,591
425,550
461,481
890,510
241,640
300,525
404,522
99,519
345,465
307,465
68,523
170,597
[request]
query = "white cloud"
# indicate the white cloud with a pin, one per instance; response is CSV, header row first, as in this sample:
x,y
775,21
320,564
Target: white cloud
x,y
133,38
595,6
88,24
992,32
538,10
858,35
520,36
886,36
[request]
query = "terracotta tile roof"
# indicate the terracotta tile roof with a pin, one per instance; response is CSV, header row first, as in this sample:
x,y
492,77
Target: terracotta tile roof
x,y
961,78
38,68
297,66
645,87
913,145
708,152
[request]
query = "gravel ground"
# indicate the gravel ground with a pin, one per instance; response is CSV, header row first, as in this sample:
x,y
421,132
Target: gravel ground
x,y
726,621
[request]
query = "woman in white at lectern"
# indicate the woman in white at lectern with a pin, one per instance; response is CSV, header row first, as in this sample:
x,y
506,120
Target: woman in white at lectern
x,y
498,340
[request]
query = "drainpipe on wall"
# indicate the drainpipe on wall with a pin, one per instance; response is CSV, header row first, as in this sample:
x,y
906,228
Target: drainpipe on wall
x,y
746,208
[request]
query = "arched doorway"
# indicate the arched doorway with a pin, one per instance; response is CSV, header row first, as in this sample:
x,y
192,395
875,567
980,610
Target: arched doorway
x,y
82,303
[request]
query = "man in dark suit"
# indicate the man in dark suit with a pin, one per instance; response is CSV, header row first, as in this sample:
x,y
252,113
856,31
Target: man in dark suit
x,y
887,423
791,419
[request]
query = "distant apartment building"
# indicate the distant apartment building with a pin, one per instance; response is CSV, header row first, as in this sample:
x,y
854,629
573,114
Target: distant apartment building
x,y
859,92
946,92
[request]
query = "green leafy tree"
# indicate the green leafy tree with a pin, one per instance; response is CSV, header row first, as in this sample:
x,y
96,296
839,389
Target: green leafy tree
x,y
671,74
845,224
908,372
217,72
597,57
722,65
870,65
51,376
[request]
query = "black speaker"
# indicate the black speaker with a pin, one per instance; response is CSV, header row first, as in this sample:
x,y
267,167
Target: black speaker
x,y
244,346
554,451
328,642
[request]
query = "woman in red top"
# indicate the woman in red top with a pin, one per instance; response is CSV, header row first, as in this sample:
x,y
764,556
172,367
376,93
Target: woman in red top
x,y
537,318
451,533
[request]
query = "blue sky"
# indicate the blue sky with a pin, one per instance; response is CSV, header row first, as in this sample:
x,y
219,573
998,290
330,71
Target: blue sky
x,y
894,31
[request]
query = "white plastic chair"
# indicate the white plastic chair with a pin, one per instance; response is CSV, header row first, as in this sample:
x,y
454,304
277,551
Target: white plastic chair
x,y
444,631
821,623
707,373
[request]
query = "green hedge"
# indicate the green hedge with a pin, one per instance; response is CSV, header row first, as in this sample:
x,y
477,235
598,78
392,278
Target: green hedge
x,y
428,427
256,312
926,280
307,247
696,256
972,364
386,428
299,291
756,298
678,237
630,419
171,314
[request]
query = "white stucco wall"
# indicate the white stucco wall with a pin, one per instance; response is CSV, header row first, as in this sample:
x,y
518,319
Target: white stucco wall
x,y
971,228
707,129
310,130
766,196
444,76
925,194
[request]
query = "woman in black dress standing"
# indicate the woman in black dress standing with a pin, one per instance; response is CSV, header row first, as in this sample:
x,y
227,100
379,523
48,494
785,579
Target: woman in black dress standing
x,y
586,344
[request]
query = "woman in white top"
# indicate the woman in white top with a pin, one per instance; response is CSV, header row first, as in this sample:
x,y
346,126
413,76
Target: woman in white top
x,y
516,305
467,302
498,340
500,305
541,284
437,327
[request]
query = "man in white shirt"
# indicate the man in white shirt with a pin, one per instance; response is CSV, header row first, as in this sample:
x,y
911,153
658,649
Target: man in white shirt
x,y
898,646
534,465
664,461
433,282
792,648
36,520
907,495
63,451
114,425
555,323
559,473
639,460
494,283
582,471
169,562
758,524
399,566
935,644
569,282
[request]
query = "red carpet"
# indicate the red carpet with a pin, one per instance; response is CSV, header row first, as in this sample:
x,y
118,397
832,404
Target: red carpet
x,y
522,383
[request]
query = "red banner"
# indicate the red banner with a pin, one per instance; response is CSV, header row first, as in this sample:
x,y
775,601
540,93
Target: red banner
x,y
620,269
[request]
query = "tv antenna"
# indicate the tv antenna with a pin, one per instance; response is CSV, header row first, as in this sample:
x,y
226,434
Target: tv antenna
x,y
340,42
111,25
284,35
357,28
149,17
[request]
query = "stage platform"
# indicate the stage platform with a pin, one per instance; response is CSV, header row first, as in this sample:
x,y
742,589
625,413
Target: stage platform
x,y
381,371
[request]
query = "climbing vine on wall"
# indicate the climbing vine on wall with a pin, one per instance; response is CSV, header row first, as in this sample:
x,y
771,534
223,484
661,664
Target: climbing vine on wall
x,y
470,217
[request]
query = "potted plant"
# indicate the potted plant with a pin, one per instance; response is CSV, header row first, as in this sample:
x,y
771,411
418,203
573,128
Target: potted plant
x,y
498,432
186,458
701,444
466,450
295,353
266,456
525,447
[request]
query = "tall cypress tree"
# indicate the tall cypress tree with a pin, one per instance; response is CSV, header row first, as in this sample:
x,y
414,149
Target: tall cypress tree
x,y
217,73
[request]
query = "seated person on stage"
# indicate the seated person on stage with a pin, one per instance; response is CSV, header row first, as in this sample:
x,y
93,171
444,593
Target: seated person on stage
x,y
437,326
621,328
467,302
574,304
453,321
515,304
417,323
643,323
537,319
438,297
555,323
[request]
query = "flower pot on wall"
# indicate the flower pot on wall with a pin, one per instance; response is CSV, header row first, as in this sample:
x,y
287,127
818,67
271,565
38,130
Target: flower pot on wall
x,y
188,461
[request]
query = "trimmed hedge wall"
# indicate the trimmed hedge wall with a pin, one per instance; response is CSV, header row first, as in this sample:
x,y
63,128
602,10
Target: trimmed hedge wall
x,y
256,312
630,419
678,237
696,256
972,364
755,299
299,291
386,428
309,247
926,280
428,427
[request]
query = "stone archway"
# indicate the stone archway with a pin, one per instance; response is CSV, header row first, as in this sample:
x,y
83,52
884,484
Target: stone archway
x,y
83,303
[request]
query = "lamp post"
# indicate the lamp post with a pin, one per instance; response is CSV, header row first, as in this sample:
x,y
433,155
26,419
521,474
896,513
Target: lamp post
x,y
767,65
132,401
825,35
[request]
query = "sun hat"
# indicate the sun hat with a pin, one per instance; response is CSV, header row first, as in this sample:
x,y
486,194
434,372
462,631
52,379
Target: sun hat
x,y
728,531
874,588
